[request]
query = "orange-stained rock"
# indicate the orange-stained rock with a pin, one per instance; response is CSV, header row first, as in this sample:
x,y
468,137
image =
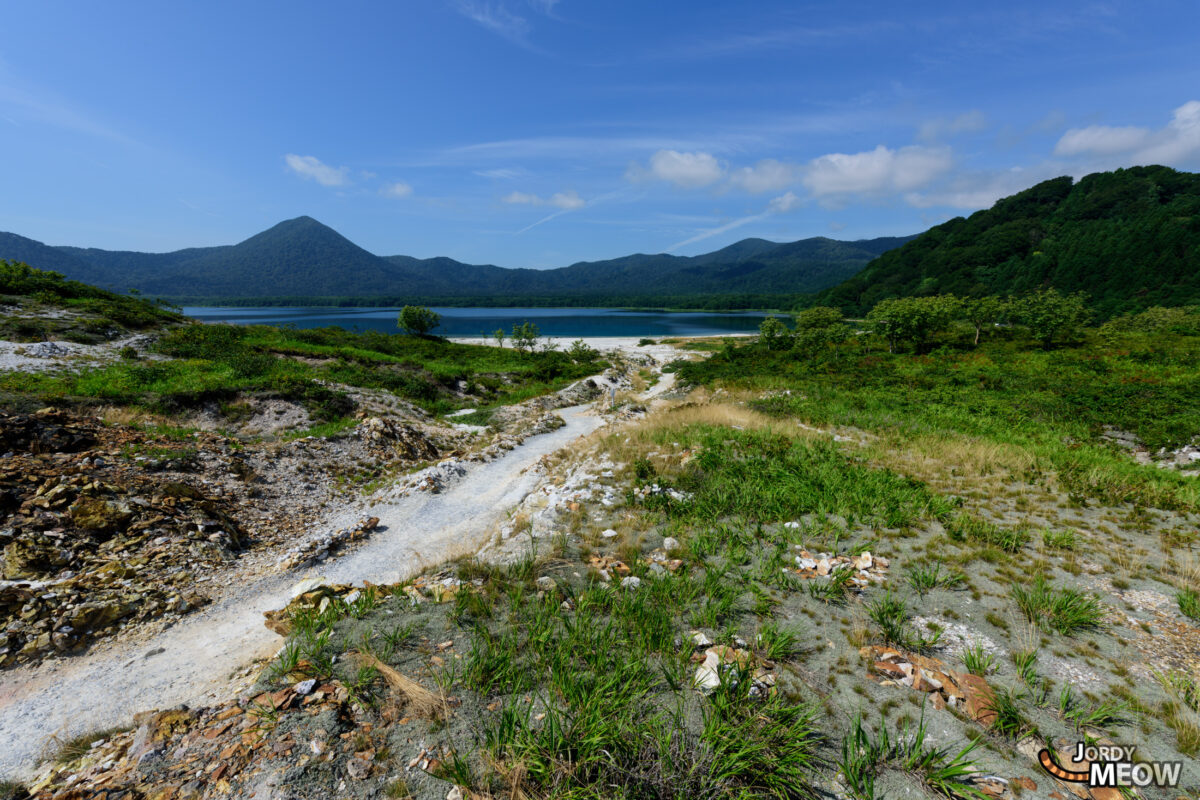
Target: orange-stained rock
x,y
979,698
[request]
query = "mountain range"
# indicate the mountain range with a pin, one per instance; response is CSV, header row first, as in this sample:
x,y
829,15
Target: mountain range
x,y
302,259
1128,239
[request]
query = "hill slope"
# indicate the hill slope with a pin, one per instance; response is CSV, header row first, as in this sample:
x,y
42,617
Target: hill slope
x,y
1129,239
301,258
43,256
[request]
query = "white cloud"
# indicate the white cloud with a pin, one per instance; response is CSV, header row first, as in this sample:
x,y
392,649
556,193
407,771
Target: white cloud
x,y
1180,141
567,201
503,173
496,17
1175,144
937,129
767,175
877,171
784,203
981,189
687,170
521,198
396,189
1100,140
311,167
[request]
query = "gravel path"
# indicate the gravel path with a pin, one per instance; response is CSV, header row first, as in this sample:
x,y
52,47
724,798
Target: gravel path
x,y
194,661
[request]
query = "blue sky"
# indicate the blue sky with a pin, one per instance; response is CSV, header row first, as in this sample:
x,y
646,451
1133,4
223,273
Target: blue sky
x,y
544,132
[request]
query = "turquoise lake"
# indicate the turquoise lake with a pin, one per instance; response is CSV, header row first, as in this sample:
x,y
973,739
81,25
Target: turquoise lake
x,y
561,322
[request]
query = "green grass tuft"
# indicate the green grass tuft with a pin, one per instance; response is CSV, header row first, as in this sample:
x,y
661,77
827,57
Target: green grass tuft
x,y
1066,611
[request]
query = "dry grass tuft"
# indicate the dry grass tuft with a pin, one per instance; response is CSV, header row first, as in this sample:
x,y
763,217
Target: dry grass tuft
x,y
117,415
423,702
939,455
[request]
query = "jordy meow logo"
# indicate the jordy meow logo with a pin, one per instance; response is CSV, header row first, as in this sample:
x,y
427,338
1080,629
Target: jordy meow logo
x,y
1112,766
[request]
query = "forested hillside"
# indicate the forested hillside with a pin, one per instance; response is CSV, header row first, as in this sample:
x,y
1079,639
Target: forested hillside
x,y
1129,239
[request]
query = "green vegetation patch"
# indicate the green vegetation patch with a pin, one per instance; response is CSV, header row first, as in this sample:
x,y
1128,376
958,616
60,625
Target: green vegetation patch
x,y
605,678
218,362
771,477
97,313
1054,405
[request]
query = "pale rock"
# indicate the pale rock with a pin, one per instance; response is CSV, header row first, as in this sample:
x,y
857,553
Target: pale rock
x,y
609,534
307,585
305,688
700,640
546,583
707,678
670,543
631,582
1029,747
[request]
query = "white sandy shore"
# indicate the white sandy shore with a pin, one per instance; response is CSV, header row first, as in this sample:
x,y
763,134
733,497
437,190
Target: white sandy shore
x,y
627,344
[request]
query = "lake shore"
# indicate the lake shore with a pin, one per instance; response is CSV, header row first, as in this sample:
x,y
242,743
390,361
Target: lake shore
x,y
624,344
470,324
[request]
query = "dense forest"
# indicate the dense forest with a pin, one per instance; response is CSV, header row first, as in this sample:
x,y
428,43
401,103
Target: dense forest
x,y
1128,239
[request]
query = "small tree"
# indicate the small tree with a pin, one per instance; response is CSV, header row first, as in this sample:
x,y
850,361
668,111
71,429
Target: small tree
x,y
418,320
817,328
581,351
1048,314
913,319
524,336
498,335
982,312
774,335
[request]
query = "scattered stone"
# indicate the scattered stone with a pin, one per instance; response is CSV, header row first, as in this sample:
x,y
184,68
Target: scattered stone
x,y
970,693
325,545
865,568
631,582
608,565
653,490
721,662
394,440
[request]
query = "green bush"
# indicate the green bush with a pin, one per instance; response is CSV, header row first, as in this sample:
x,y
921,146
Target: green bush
x,y
418,320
